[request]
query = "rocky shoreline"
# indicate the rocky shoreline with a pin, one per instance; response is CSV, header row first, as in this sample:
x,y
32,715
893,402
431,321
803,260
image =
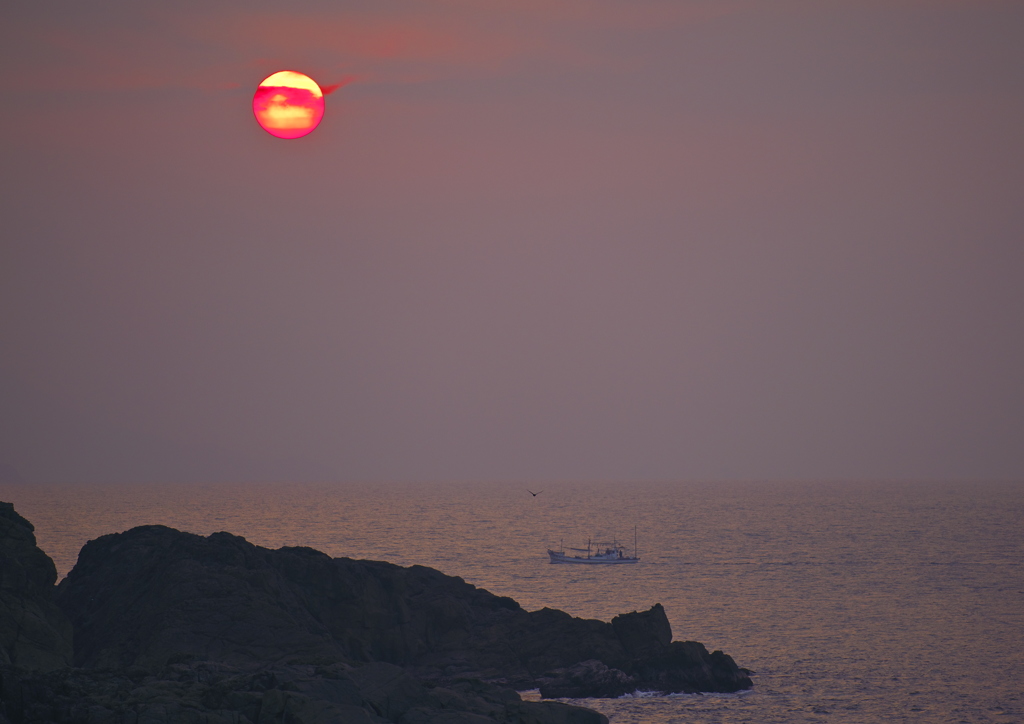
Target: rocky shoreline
x,y
157,625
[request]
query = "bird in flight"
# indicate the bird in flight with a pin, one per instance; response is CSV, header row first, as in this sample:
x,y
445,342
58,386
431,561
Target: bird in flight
x,y
533,493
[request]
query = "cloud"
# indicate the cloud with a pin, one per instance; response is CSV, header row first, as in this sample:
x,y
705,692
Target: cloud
x,y
223,45
328,89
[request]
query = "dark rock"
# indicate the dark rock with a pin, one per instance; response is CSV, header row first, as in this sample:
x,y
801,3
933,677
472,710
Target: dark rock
x,y
192,623
389,690
587,679
153,596
220,694
643,633
549,639
636,645
170,627
553,712
34,633
686,666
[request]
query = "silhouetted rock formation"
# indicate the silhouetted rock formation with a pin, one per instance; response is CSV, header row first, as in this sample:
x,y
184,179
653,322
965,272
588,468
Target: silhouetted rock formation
x,y
653,662
208,693
34,633
170,626
154,595
645,633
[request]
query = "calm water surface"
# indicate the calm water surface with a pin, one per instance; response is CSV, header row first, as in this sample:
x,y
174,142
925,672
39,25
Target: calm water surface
x,y
852,602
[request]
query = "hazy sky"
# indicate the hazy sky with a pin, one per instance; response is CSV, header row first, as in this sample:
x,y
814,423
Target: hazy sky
x,y
530,240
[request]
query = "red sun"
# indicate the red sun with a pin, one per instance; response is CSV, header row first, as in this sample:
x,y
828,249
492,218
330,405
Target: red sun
x,y
288,104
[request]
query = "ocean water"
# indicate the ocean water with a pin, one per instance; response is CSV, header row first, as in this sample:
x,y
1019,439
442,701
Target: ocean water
x,y
852,602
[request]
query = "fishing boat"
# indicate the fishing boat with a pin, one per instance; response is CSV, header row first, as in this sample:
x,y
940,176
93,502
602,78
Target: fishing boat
x,y
596,553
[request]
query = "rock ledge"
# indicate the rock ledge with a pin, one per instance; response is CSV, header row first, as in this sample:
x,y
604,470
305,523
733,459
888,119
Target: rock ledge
x,y
171,626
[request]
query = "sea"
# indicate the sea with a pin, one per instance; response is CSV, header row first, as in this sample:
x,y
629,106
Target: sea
x,y
850,601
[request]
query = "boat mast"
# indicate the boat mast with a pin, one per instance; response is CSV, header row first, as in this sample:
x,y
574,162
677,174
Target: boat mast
x,y
635,554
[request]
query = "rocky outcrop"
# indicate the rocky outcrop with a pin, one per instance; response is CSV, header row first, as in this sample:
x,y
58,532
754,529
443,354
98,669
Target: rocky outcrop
x,y
681,667
643,633
653,662
176,627
207,693
587,680
230,683
34,633
153,596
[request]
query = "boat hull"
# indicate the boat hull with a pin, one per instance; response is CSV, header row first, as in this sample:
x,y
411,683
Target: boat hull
x,y
557,557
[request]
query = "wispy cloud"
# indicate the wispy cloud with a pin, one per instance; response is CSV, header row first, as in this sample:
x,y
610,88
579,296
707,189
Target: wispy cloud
x,y
221,46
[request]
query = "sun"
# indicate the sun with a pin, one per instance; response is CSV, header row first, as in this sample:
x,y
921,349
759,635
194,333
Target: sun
x,y
288,104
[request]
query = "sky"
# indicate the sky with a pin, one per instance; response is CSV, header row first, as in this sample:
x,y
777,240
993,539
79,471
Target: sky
x,y
529,241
